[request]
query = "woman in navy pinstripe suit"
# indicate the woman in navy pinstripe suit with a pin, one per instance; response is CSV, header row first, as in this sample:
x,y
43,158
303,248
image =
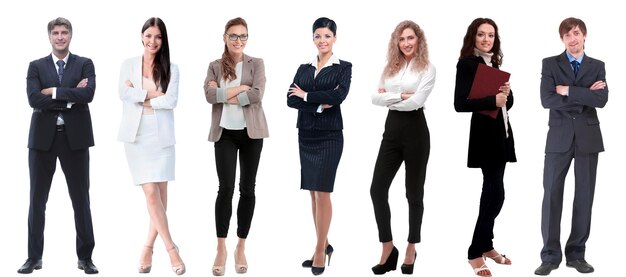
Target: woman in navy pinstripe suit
x,y
317,91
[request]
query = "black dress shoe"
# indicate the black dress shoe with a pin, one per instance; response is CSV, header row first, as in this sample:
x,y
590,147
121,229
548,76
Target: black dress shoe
x,y
545,268
87,266
581,265
29,266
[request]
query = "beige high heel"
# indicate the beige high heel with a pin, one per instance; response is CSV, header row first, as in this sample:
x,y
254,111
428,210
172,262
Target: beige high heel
x,y
180,268
145,268
219,270
240,268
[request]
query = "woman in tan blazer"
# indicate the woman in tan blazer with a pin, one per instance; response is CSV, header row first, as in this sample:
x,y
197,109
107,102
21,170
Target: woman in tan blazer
x,y
234,86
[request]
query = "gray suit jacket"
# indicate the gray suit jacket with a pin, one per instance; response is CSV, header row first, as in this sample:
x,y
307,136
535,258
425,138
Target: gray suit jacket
x,y
253,71
573,118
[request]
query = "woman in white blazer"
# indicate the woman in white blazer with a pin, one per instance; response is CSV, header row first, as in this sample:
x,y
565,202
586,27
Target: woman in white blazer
x,y
148,88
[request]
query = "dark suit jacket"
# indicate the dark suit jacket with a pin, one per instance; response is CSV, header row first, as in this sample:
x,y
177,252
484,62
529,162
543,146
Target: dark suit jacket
x,y
488,144
573,117
42,74
253,71
331,86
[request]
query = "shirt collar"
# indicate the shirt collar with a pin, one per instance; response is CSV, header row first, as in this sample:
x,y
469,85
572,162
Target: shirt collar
x,y
571,58
55,59
333,60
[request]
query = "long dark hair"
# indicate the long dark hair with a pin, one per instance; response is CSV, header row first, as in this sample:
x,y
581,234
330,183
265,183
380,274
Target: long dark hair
x,y
228,63
469,41
161,70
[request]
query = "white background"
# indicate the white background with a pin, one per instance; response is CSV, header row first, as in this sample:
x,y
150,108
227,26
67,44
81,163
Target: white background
x,y
282,233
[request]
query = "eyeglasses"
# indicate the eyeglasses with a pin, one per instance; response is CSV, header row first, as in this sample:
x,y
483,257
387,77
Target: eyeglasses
x,y
234,37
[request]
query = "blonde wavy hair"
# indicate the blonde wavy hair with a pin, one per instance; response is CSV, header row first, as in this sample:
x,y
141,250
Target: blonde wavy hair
x,y
395,58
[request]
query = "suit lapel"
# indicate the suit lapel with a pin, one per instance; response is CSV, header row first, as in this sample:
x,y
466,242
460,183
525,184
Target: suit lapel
x,y
585,67
566,66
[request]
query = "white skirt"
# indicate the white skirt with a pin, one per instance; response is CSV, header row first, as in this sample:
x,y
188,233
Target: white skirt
x,y
148,162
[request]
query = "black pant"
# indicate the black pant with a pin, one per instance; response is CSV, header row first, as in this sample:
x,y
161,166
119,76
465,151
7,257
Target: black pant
x,y
226,150
406,138
491,201
75,166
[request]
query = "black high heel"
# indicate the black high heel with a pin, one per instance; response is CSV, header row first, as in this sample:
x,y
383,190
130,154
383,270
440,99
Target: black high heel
x,y
408,268
390,264
329,253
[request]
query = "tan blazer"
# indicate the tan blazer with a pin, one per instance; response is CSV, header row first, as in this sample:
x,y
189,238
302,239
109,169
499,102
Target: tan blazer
x,y
253,71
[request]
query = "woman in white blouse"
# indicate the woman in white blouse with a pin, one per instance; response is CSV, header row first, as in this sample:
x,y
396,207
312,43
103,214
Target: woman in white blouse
x,y
148,88
406,82
235,85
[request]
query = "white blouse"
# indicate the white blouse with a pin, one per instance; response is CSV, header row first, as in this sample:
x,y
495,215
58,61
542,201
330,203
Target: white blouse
x,y
232,115
420,84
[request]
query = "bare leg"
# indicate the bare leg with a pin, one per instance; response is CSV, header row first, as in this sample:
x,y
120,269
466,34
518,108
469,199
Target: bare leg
x,y
156,200
387,248
409,257
323,216
241,264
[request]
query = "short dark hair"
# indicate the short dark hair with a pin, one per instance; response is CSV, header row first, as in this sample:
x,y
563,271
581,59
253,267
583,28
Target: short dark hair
x,y
570,23
59,21
324,22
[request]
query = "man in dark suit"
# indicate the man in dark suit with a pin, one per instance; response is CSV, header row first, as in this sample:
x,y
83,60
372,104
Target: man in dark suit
x,y
59,88
573,85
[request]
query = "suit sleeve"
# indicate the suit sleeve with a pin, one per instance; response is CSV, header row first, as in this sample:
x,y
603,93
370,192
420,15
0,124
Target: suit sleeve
x,y
336,95
257,89
170,99
36,99
297,102
465,71
213,95
126,93
549,98
587,97
80,95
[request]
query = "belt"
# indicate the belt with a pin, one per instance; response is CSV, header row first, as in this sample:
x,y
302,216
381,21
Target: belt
x,y
60,128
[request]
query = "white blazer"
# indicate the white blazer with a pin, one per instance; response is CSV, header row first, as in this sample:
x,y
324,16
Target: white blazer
x,y
134,97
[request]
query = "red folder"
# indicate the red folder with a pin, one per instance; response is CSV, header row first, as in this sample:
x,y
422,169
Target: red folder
x,y
487,82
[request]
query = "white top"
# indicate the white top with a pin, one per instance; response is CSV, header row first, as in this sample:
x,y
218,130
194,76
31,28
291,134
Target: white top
x,y
406,80
232,115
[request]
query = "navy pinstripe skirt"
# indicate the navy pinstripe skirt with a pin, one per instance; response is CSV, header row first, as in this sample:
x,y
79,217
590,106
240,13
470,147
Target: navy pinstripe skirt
x,y
320,152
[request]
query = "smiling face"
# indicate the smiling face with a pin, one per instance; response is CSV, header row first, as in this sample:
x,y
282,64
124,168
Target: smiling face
x,y
323,38
60,38
574,41
152,40
235,47
484,37
407,42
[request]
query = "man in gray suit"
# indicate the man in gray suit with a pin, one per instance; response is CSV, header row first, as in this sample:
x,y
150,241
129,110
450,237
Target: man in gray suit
x,y
572,86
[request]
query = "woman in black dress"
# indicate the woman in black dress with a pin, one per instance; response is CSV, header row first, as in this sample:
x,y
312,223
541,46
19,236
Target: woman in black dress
x,y
318,89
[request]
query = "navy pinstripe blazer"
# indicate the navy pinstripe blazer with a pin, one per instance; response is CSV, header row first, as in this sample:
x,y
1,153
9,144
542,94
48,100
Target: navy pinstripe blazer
x,y
330,86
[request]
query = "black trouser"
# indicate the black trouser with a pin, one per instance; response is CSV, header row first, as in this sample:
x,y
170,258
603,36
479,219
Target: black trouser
x,y
491,201
231,142
75,166
406,139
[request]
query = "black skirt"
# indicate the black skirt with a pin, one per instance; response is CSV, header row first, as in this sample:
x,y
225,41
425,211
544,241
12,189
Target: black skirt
x,y
320,152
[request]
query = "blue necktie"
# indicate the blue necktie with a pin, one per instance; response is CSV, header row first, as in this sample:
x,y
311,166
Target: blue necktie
x,y
575,66
60,63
